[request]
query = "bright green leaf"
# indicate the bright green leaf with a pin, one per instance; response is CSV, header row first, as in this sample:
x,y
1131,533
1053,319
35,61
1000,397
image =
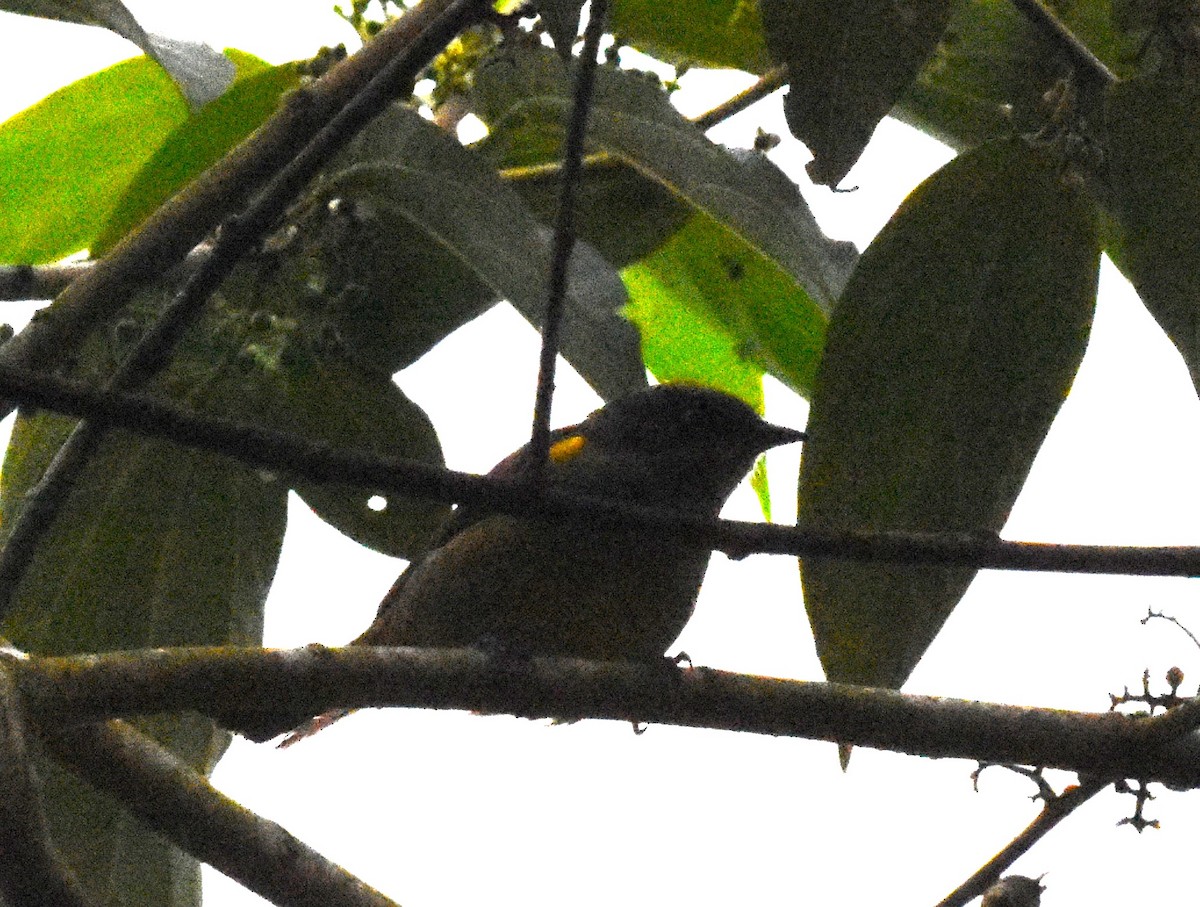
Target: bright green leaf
x,y
948,357
192,148
847,63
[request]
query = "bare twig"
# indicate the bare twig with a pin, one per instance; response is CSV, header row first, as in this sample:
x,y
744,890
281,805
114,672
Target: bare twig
x,y
175,228
1052,813
771,80
260,692
31,872
42,503
564,234
320,462
1085,63
183,807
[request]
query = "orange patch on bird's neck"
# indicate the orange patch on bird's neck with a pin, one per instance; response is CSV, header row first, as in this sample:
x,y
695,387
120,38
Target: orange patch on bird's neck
x,y
567,449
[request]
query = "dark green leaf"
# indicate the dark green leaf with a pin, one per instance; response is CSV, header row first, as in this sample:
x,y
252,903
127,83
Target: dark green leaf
x,y
848,63
951,350
704,32
1154,176
365,411
192,148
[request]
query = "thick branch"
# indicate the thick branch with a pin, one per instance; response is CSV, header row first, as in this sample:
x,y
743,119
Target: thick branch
x,y
318,462
31,872
254,690
183,807
20,283
175,228
1085,63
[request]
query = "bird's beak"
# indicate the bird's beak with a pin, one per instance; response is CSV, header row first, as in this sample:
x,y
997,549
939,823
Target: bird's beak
x,y
777,435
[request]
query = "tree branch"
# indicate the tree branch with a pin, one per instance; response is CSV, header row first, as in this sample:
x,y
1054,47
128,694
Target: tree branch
x,y
262,692
31,872
320,462
772,80
171,799
1052,813
1082,60
236,237
564,236
183,221
19,283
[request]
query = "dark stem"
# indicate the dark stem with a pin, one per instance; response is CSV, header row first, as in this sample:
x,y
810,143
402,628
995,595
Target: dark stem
x,y
564,235
1052,813
236,237
771,80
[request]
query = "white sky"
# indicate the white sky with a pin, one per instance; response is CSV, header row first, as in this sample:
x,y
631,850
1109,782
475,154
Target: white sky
x,y
449,809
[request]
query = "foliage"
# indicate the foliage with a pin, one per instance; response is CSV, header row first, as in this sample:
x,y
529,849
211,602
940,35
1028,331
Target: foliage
x,y
934,363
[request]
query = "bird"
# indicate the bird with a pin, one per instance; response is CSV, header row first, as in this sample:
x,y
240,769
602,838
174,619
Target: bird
x,y
543,588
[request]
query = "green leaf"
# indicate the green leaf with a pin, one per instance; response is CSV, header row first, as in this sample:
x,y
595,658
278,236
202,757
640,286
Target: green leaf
x,y
192,148
157,546
748,214
749,315
200,72
848,63
1153,162
987,76
705,32
68,159
948,357
359,410
417,184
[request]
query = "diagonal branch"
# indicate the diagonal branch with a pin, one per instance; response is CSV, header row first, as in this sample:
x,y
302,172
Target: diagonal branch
x,y
1052,813
236,237
320,462
183,807
261,692
1085,63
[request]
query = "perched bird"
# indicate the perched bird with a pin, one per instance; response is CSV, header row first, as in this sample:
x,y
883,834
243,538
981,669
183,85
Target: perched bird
x,y
545,588
1014,891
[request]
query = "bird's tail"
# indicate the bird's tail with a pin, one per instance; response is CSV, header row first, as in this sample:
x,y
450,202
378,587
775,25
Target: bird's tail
x,y
312,726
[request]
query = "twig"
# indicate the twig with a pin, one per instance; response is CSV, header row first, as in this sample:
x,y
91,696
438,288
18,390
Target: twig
x,y
1083,61
564,235
319,462
19,283
31,872
171,799
260,692
771,80
42,503
183,221
1052,813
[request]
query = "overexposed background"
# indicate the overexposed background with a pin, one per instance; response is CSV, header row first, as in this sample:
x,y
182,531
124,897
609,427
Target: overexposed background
x,y
450,809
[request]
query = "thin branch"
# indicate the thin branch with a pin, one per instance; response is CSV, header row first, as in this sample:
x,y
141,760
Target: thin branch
x,y
262,692
1082,60
1052,813
236,237
564,235
31,872
319,462
771,80
171,799
183,221
20,283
